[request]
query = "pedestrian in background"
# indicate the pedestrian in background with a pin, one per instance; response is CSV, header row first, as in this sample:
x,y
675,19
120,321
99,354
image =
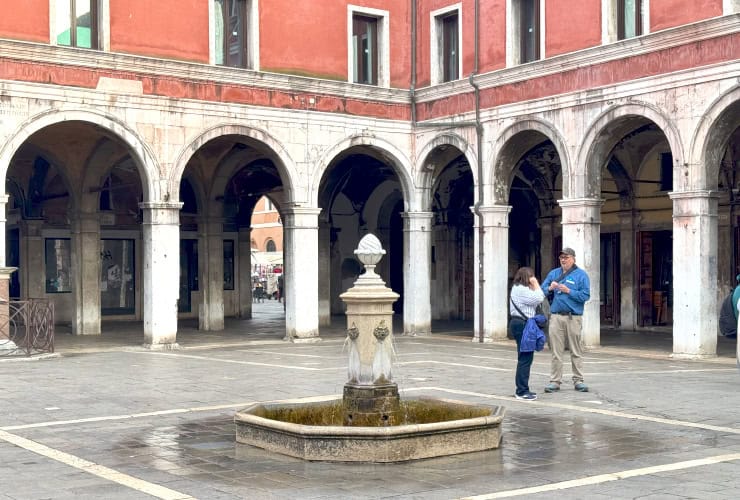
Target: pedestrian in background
x,y
526,295
569,288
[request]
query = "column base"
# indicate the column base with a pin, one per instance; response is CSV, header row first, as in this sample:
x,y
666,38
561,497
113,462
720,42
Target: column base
x,y
8,345
174,346
303,340
486,340
676,355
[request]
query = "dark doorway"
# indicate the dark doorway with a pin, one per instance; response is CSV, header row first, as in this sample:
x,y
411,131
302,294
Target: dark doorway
x,y
655,278
609,287
188,273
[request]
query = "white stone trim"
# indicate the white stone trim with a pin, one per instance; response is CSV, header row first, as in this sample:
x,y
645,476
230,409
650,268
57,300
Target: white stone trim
x,y
103,24
384,41
436,40
730,7
513,57
664,39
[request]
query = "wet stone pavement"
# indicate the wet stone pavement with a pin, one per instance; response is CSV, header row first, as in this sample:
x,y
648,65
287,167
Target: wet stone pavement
x,y
130,423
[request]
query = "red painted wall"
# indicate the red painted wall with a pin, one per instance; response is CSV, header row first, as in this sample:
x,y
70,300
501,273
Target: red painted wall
x,y
492,35
669,13
27,21
167,29
568,29
302,38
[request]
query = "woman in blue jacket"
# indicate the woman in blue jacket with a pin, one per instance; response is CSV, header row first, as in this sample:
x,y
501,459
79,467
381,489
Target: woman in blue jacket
x,y
526,295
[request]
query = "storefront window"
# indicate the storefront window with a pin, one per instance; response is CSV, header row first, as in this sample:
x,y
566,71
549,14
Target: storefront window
x,y
57,265
117,292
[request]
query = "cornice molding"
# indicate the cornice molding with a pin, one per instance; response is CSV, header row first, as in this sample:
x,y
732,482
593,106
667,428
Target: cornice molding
x,y
652,42
167,68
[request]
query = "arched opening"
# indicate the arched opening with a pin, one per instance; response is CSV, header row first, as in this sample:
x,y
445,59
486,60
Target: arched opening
x,y
360,193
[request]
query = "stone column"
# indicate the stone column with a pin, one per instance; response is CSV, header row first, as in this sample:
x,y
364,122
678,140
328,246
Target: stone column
x,y
694,273
244,249
324,272
301,234
6,344
546,231
417,258
582,232
211,308
627,269
86,271
3,234
161,228
32,256
493,264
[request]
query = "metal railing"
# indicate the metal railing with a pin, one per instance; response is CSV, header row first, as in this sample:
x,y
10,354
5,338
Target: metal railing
x,y
29,325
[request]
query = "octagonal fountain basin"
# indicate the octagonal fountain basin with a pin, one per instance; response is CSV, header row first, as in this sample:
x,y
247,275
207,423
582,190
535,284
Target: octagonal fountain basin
x,y
314,431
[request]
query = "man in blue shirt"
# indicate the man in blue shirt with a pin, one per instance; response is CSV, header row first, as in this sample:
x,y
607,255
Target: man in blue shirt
x,y
569,288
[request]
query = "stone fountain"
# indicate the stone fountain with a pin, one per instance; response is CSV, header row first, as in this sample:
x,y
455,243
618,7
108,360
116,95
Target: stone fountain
x,y
370,423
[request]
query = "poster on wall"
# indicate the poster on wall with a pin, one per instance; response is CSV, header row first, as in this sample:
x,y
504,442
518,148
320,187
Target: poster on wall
x,y
117,293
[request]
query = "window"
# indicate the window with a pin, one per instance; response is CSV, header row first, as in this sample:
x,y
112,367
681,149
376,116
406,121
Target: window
x,y
622,19
76,23
270,246
58,261
117,290
368,57
666,171
365,47
235,33
529,33
525,40
629,19
446,39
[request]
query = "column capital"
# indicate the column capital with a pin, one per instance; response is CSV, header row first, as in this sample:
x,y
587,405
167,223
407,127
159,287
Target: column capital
x,y
692,203
417,221
492,215
694,194
581,210
161,212
301,218
5,272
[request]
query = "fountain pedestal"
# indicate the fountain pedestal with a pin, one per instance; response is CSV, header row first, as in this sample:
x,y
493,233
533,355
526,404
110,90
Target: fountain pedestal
x,y
370,395
370,423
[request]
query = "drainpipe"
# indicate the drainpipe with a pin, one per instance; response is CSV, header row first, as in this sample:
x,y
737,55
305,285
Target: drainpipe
x,y
412,90
481,191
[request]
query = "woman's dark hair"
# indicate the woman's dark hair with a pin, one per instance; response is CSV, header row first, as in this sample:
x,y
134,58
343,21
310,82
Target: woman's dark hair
x,y
522,276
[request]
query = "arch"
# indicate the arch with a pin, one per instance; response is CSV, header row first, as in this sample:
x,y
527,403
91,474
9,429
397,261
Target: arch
x,y
597,144
713,131
273,148
425,176
145,159
503,150
394,156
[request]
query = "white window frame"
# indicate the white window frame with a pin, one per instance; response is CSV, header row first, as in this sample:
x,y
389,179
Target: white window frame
x,y
436,41
610,20
103,24
513,56
253,34
384,40
730,7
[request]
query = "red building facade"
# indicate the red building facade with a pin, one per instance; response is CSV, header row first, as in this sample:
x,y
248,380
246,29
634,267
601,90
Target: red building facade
x,y
127,125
